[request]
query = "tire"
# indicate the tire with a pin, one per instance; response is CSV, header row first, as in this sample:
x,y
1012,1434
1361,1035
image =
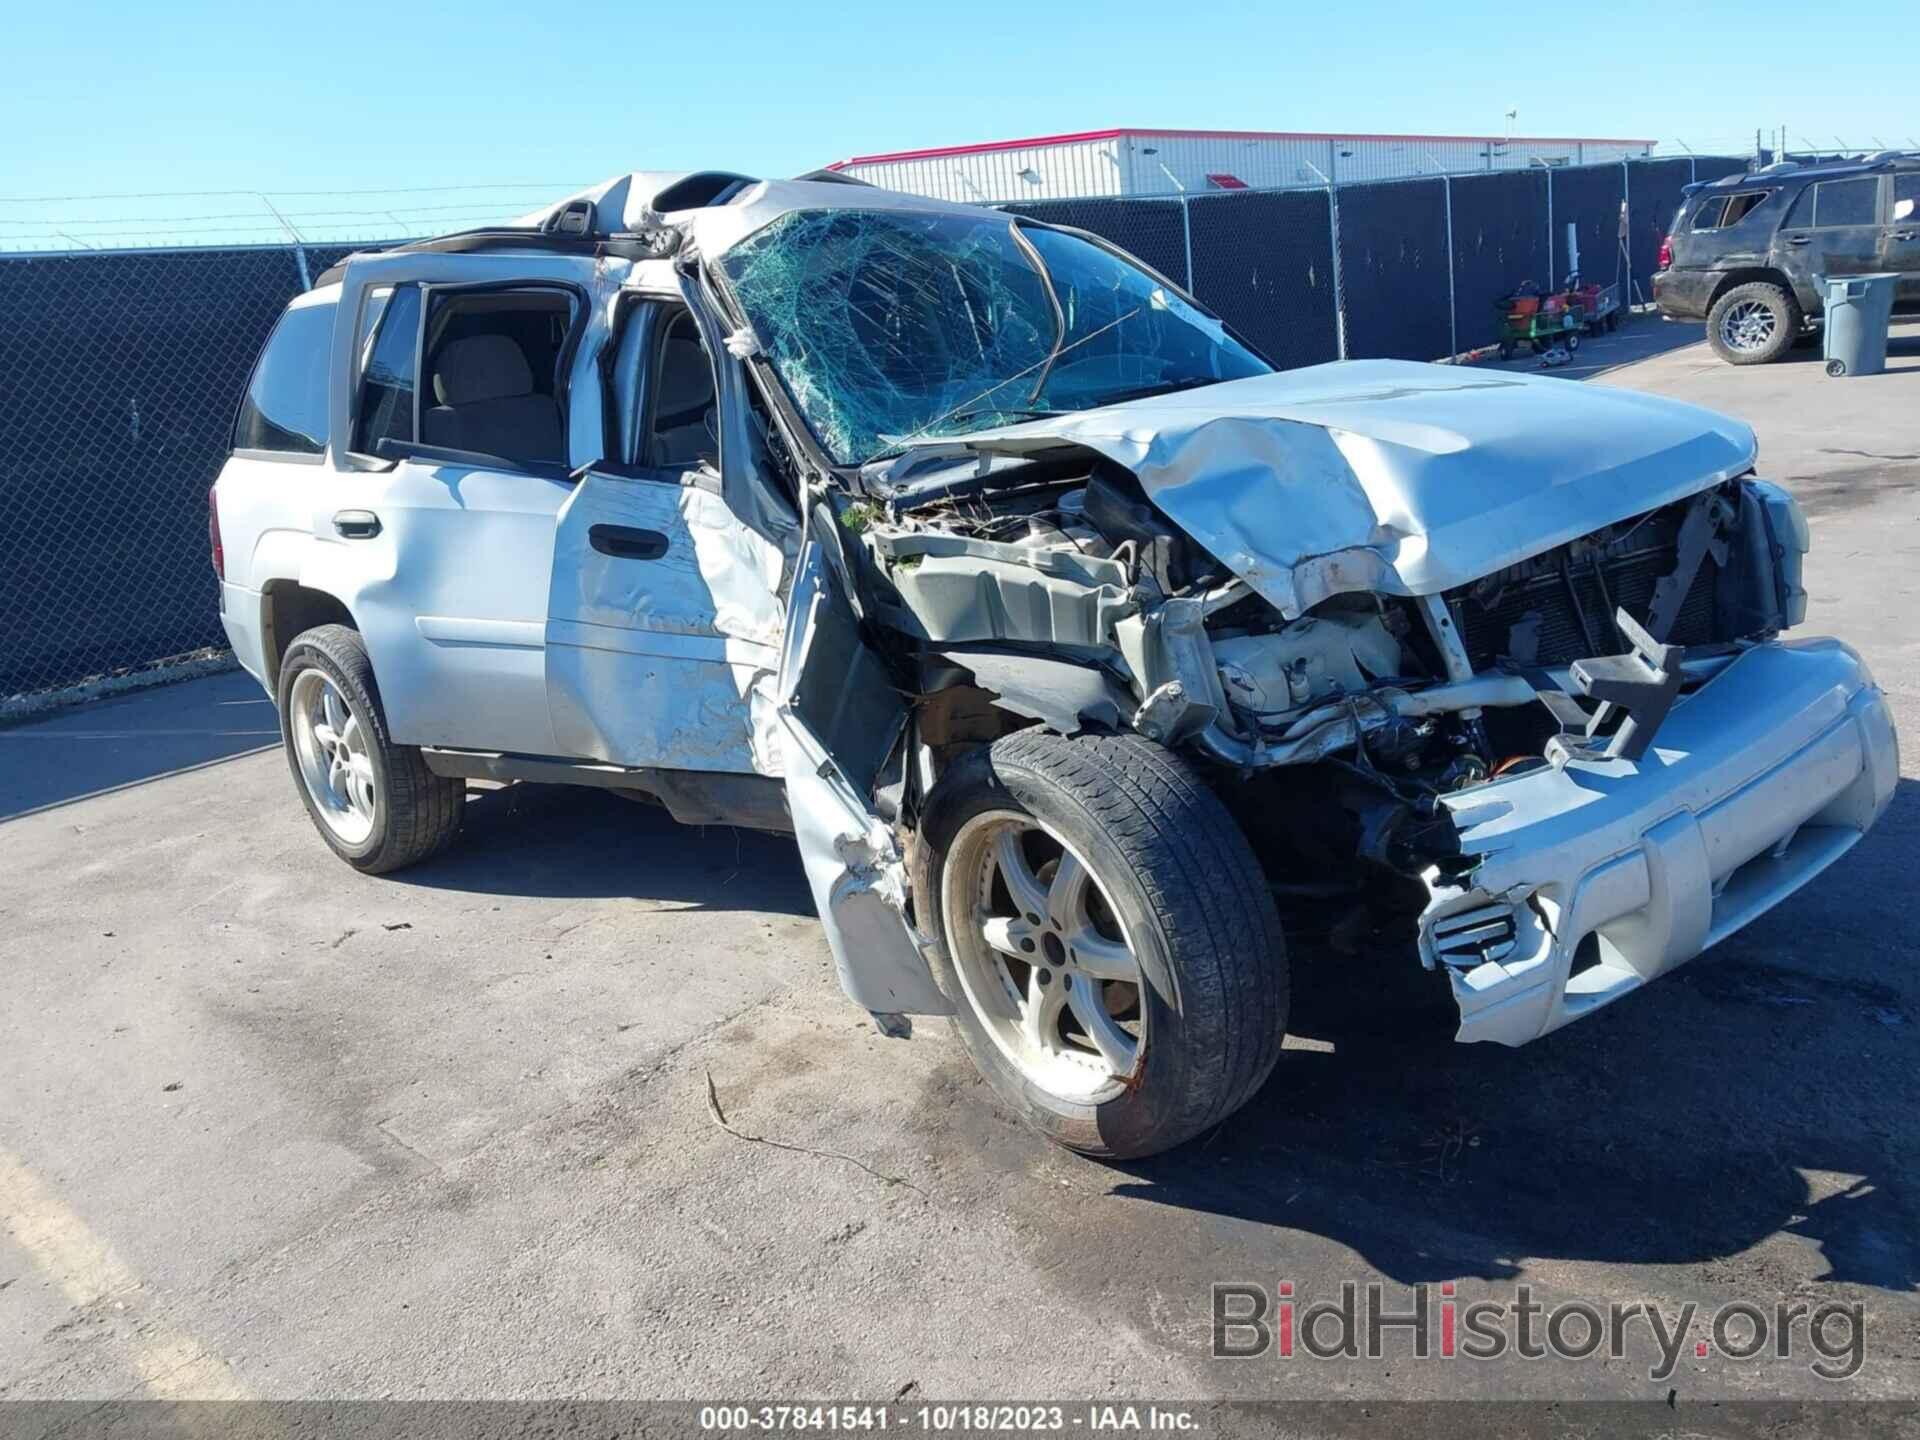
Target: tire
x,y
375,803
1836,368
1573,341
1753,324
1506,350
1173,878
1613,321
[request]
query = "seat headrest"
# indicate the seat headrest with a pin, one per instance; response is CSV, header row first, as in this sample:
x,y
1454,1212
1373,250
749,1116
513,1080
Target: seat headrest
x,y
480,367
686,379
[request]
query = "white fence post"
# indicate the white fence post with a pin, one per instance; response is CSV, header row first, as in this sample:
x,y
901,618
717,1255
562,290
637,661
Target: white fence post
x,y
1186,235
1339,290
1550,280
1626,236
1453,305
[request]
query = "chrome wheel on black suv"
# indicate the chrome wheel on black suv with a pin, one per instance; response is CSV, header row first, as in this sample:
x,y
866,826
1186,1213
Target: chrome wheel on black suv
x,y
1753,324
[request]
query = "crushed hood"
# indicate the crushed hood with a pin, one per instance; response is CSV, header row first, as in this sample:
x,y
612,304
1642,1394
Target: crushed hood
x,y
1393,476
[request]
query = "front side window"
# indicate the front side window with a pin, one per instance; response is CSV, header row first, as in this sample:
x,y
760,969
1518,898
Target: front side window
x,y
891,327
1906,197
285,409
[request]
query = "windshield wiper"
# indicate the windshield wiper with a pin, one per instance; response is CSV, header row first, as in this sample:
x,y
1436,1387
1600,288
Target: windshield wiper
x,y
1032,252
900,444
1024,412
1171,387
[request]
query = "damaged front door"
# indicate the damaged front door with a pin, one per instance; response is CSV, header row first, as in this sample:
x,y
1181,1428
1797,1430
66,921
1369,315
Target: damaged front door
x,y
842,721
664,621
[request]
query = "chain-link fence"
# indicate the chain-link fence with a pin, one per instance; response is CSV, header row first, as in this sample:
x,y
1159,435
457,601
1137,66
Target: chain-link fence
x,y
1415,268
119,376
120,372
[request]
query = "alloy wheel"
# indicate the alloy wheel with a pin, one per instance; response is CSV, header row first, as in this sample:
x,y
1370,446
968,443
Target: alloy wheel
x,y
336,765
1747,327
1045,962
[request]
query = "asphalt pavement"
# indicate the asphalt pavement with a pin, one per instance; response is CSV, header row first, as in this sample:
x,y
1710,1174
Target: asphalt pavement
x,y
271,1128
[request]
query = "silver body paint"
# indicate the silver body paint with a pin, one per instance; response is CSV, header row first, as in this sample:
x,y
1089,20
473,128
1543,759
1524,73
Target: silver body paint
x,y
495,627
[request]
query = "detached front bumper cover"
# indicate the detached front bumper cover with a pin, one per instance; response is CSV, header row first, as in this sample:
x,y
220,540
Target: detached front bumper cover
x,y
1753,785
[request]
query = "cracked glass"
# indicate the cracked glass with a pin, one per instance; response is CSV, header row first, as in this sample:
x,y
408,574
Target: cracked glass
x,y
892,327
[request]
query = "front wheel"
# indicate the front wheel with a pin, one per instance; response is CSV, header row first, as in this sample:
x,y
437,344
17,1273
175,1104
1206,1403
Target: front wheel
x,y
374,802
1107,936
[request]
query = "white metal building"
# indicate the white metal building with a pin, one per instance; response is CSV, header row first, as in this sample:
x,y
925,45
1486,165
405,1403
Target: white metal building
x,y
1167,162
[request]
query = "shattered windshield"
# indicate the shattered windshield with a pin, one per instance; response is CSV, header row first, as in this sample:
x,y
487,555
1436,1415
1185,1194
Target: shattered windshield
x,y
890,327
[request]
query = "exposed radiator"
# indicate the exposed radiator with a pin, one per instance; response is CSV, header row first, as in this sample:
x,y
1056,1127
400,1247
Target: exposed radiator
x,y
1540,613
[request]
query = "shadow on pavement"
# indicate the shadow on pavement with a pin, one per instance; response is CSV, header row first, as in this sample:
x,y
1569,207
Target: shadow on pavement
x,y
148,735
570,842
1757,1091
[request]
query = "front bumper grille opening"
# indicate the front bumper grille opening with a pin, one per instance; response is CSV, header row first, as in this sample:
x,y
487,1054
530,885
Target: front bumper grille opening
x,y
1471,938
1586,955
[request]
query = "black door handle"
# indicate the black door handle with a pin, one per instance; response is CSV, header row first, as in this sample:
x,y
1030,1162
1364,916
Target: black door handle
x,y
356,524
1799,239
1905,234
625,543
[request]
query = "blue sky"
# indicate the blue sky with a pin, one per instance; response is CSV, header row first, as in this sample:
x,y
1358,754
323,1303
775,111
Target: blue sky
x,y
192,96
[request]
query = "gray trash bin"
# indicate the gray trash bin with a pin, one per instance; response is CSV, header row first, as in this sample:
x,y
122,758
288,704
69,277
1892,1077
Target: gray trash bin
x,y
1859,308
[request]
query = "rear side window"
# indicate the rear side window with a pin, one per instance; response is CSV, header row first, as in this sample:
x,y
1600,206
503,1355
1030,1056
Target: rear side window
x,y
1708,216
1906,197
387,375
1721,212
1837,202
285,409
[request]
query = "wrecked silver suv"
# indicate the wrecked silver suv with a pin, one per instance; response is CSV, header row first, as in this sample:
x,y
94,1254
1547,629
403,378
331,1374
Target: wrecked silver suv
x,y
1065,635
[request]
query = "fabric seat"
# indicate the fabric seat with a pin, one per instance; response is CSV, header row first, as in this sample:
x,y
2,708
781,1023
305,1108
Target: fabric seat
x,y
683,426
487,403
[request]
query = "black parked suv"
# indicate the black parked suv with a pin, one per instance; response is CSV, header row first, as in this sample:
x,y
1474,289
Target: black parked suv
x,y
1747,254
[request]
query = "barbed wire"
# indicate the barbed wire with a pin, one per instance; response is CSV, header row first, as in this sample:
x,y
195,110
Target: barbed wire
x,y
360,214
492,201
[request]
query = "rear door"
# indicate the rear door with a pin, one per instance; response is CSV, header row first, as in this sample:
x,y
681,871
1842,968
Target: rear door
x,y
1902,250
664,618
455,438
1833,229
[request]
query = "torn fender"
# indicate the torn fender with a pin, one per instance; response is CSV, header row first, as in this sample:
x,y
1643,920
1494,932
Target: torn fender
x,y
1063,696
840,718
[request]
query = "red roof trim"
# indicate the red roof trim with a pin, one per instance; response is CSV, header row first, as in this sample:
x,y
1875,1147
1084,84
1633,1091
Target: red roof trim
x,y
993,146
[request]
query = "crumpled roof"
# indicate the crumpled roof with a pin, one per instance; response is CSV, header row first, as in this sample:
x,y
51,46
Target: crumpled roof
x,y
625,202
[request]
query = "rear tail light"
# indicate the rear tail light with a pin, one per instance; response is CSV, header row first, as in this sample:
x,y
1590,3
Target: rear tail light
x,y
1666,253
213,534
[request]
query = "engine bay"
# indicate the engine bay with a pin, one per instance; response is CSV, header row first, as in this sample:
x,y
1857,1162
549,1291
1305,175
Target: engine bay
x,y
1057,592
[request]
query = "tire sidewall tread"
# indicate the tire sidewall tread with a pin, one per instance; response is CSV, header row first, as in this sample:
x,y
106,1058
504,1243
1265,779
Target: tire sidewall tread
x,y
1788,322
1199,906
416,813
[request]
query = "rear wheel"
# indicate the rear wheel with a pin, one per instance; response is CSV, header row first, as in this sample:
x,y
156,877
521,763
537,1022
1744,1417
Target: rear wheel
x,y
1753,324
375,803
1107,936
